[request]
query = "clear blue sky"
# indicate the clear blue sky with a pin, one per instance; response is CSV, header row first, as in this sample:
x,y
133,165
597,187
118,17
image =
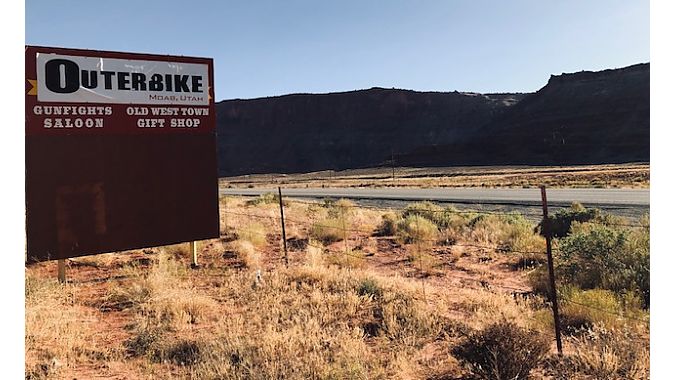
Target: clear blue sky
x,y
265,48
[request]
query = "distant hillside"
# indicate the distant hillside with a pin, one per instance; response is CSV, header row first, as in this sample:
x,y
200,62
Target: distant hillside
x,y
586,117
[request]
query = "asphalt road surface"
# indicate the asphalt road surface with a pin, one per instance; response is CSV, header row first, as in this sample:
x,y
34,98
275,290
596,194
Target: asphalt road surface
x,y
555,197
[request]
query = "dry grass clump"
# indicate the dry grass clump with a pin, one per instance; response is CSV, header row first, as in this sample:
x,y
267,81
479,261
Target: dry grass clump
x,y
405,320
176,250
510,232
180,306
247,253
503,350
160,294
172,300
125,297
351,259
56,330
329,230
314,256
295,352
158,345
106,260
135,291
304,322
605,355
582,310
486,307
255,233
424,261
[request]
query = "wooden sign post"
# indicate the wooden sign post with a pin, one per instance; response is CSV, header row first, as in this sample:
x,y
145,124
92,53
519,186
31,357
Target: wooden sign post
x,y
61,268
193,250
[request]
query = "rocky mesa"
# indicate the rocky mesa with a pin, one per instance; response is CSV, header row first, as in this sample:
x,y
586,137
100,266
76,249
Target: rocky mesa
x,y
580,118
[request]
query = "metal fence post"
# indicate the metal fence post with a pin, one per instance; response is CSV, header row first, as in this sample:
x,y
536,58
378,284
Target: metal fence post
x,y
550,263
281,211
347,245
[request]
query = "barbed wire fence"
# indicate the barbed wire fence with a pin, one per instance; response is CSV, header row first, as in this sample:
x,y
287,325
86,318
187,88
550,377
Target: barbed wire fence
x,y
348,252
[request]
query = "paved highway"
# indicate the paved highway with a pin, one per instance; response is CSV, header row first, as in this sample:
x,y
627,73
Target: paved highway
x,y
555,197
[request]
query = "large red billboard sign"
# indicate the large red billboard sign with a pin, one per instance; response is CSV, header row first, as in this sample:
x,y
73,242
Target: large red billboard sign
x,y
120,151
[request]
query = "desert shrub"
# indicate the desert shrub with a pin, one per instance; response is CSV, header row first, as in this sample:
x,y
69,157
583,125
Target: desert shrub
x,y
416,229
255,233
158,345
388,226
313,210
488,229
182,352
538,279
519,235
369,287
328,230
342,208
599,256
561,222
264,199
503,351
529,260
511,232
448,217
144,339
584,309
424,209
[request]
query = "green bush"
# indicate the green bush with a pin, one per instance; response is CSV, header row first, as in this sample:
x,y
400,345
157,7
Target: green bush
x,y
538,279
560,223
584,309
599,256
503,351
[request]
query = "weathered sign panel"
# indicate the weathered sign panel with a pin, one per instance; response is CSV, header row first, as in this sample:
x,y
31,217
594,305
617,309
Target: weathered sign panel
x,y
120,151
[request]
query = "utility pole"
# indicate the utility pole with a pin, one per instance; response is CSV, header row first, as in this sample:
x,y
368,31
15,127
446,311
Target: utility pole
x,y
392,163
